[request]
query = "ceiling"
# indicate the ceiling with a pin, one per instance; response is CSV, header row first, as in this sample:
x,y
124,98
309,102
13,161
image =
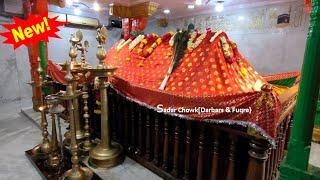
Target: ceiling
x,y
179,8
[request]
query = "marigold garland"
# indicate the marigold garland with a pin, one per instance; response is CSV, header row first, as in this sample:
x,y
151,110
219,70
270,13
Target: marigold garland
x,y
122,43
171,41
148,44
135,42
192,45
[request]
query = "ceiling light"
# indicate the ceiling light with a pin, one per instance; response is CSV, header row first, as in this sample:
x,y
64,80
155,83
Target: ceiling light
x,y
77,11
219,6
76,1
240,18
198,2
166,11
190,6
96,6
69,2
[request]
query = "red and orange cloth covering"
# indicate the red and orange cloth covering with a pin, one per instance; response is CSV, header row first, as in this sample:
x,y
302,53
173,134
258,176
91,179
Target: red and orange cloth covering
x,y
203,72
55,71
281,76
283,81
205,78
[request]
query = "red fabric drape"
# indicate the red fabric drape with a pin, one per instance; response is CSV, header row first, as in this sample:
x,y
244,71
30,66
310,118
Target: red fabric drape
x,y
55,71
205,78
280,76
126,27
307,5
139,24
133,24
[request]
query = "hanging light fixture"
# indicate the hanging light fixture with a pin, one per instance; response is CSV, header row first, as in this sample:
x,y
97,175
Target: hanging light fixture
x,y
69,2
219,6
198,2
190,6
241,18
96,6
166,11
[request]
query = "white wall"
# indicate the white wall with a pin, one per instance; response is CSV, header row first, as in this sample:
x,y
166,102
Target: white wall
x,y
14,64
15,67
58,49
14,72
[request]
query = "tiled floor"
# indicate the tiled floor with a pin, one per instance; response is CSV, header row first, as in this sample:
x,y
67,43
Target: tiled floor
x,y
18,133
314,159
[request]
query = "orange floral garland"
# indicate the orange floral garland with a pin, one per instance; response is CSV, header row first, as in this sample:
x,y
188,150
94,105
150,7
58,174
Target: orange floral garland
x,y
148,44
146,47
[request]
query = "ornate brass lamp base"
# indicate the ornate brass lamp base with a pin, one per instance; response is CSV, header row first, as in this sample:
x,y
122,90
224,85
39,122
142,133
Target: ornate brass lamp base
x,y
37,153
36,104
103,157
41,150
85,147
80,135
54,162
57,174
82,174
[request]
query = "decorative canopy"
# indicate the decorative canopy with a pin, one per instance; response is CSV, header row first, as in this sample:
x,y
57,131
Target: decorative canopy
x,y
133,11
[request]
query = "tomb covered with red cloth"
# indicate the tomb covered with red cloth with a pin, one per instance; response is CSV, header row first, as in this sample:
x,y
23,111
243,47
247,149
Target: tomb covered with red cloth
x,y
213,81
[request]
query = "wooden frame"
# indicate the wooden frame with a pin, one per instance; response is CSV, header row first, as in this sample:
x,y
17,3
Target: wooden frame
x,y
176,148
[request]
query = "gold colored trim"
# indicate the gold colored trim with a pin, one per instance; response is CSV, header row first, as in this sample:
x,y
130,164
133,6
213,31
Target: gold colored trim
x,y
316,135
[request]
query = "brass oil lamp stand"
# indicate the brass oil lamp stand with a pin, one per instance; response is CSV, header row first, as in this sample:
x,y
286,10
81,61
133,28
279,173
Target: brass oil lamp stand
x,y
106,153
75,40
77,172
87,144
82,69
55,160
42,150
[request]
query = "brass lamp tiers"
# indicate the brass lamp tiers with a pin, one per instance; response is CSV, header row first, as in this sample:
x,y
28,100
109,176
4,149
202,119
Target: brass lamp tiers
x,y
64,96
105,72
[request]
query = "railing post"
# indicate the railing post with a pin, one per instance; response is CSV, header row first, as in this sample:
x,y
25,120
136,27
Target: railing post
x,y
258,154
295,165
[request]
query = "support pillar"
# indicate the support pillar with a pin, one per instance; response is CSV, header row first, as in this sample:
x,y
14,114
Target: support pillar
x,y
295,165
316,129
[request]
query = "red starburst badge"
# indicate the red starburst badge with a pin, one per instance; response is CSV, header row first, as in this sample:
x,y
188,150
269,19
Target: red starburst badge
x,y
32,30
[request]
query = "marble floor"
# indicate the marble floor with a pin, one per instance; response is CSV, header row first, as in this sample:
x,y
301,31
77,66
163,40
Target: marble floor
x,y
18,133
